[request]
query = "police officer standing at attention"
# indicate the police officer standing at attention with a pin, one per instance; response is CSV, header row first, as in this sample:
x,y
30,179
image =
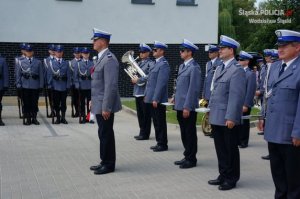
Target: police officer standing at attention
x,y
59,79
51,56
74,92
105,100
30,78
282,126
157,93
188,85
226,103
82,81
213,54
143,109
3,83
244,130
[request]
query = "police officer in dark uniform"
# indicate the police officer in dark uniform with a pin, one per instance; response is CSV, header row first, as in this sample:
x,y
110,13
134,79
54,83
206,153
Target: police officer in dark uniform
x,y
188,85
51,57
82,81
30,78
282,113
74,92
3,84
143,109
105,101
226,103
59,79
157,93
244,130
19,90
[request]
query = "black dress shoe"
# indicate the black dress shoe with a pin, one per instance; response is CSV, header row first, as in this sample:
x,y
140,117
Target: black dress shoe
x,y
140,137
153,147
215,182
57,121
260,133
103,170
35,121
179,162
92,122
83,121
187,164
136,136
267,157
64,121
95,167
225,186
1,123
27,122
242,146
160,148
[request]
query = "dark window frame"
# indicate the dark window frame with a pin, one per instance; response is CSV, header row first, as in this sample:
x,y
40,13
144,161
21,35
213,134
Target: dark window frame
x,y
192,3
144,2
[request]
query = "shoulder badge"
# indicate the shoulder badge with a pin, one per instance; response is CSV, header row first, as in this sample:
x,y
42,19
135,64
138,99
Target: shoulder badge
x,y
109,55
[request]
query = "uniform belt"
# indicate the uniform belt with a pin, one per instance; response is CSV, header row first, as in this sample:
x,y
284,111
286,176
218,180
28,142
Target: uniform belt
x,y
27,76
85,77
60,78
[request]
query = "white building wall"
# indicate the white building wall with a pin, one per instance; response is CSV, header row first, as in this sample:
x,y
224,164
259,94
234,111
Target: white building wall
x,y
72,22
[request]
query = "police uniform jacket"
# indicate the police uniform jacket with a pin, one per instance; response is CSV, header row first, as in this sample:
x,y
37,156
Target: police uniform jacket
x,y
82,75
250,88
283,105
58,75
3,74
188,86
228,94
157,85
30,76
105,92
210,70
140,86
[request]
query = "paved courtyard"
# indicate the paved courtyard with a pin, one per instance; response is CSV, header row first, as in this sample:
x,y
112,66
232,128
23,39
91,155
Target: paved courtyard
x,y
52,161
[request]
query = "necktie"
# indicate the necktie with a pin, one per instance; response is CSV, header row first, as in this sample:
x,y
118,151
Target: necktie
x,y
86,62
223,66
59,62
30,60
183,66
282,69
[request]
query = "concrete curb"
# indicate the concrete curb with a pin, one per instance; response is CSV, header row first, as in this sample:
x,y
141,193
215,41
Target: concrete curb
x,y
133,112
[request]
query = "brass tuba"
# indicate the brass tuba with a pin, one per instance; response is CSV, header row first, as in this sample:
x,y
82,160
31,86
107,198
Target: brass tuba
x,y
133,70
205,125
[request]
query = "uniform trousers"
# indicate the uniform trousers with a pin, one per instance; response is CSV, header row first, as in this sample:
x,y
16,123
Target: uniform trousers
x,y
285,165
244,130
85,98
226,145
188,134
59,101
144,116
30,101
160,125
107,140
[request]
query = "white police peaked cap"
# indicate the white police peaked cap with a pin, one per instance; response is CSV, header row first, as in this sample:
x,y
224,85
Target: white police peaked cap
x,y
189,45
144,48
158,44
274,53
267,52
97,34
226,41
287,36
245,55
213,48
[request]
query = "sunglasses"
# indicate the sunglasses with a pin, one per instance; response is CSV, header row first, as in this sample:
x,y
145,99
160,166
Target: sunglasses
x,y
154,50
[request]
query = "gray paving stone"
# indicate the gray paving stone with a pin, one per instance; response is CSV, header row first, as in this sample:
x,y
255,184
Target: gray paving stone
x,y
36,164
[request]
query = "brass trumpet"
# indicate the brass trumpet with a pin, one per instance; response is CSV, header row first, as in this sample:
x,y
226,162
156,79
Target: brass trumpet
x,y
205,125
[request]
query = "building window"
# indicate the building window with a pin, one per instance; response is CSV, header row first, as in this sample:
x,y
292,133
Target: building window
x,y
149,2
186,3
